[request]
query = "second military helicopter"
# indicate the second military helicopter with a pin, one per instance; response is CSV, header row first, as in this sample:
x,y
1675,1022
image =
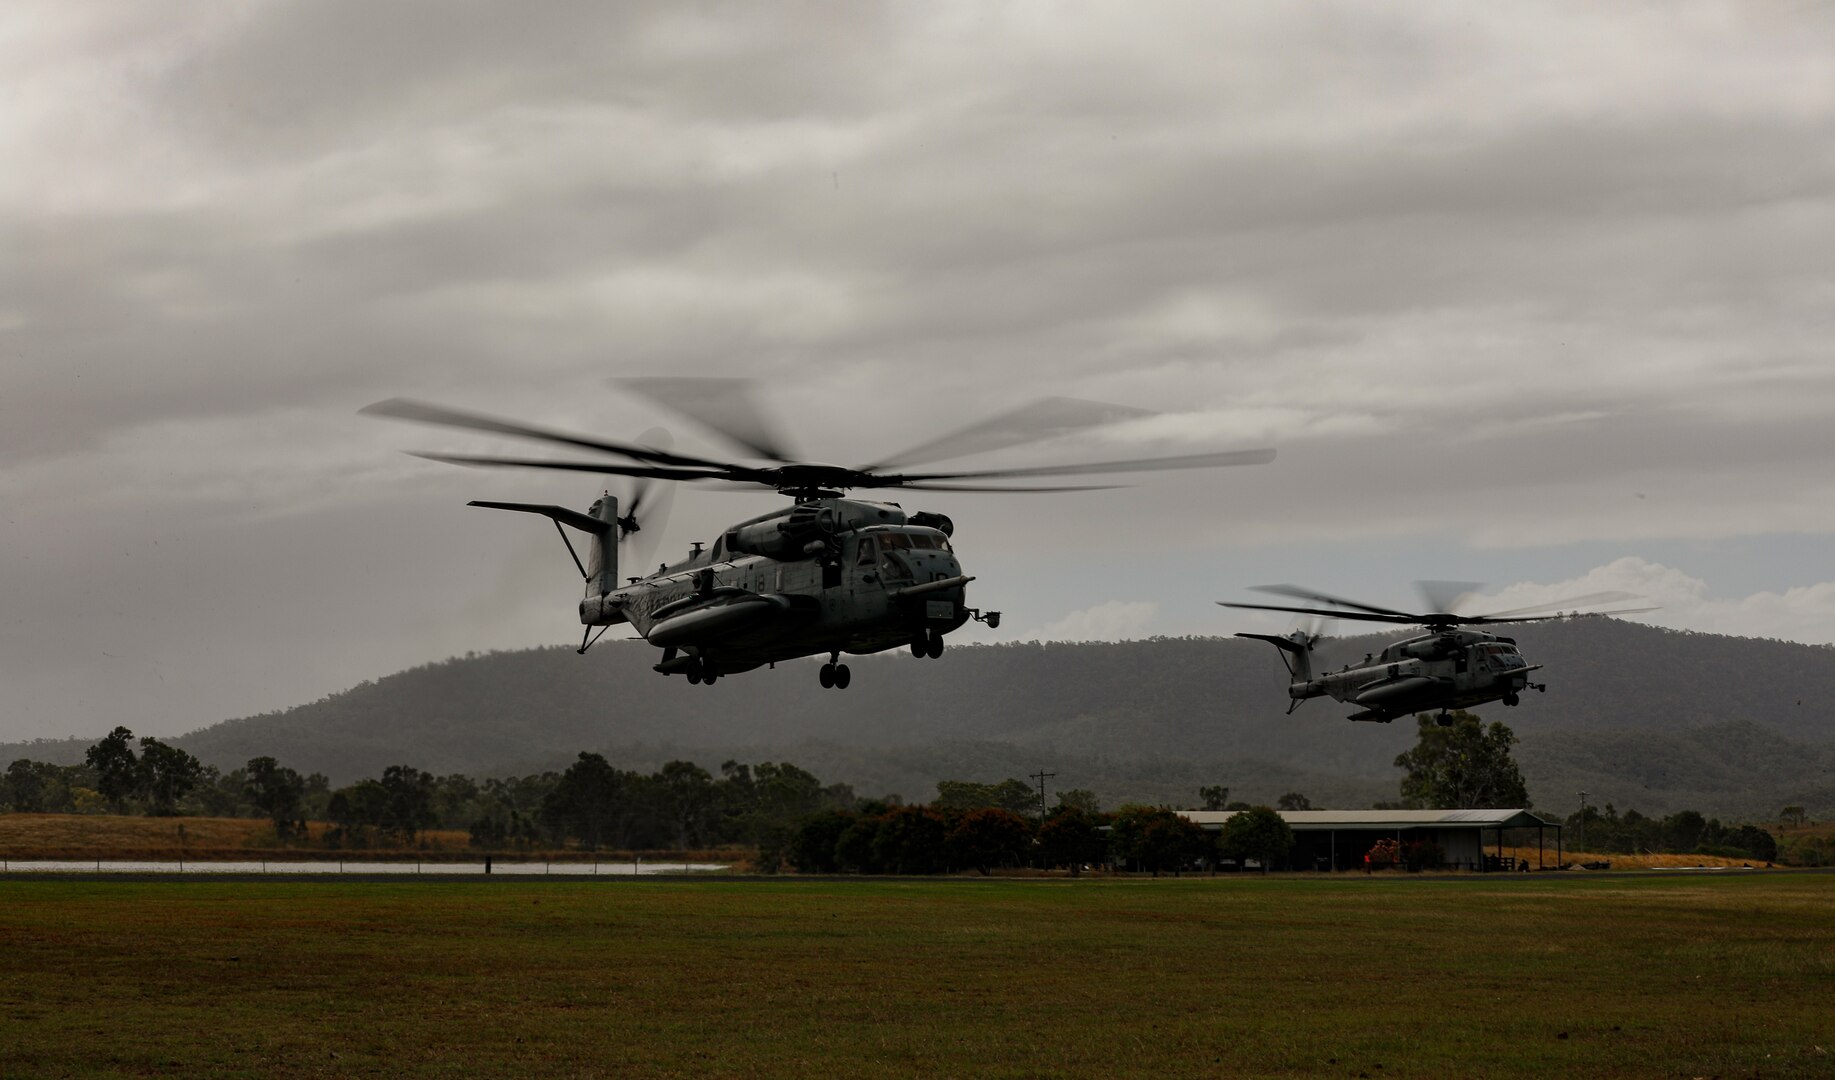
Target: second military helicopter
x,y
1445,668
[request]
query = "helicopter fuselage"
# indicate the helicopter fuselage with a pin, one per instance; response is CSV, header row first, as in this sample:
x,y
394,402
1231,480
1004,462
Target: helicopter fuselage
x,y
827,576
1448,669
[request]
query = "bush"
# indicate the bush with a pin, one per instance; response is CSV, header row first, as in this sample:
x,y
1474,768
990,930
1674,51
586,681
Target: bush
x,y
910,841
814,847
1807,851
988,838
1423,855
1069,838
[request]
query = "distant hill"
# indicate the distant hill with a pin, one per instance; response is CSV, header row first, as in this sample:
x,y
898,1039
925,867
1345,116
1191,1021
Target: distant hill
x,y
1636,715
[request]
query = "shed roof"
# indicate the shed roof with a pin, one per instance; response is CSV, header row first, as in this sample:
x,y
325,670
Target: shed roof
x,y
1315,820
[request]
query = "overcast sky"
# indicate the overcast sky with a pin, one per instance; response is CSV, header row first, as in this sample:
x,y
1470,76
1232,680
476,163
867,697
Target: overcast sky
x,y
1532,295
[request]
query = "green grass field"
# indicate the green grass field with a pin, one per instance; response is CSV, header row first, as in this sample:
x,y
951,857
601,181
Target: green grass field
x,y
1240,976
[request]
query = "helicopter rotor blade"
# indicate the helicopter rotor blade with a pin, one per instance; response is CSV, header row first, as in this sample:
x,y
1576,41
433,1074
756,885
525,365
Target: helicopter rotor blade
x,y
723,406
1443,597
1045,418
1315,597
1360,616
424,413
1181,461
1571,602
1485,620
1029,490
606,468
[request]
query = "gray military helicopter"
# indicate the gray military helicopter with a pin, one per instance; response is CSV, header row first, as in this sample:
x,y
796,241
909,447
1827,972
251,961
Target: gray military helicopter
x,y
826,574
1445,668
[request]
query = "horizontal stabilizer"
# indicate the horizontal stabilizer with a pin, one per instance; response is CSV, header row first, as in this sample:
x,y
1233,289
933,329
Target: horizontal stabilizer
x,y
586,523
1281,643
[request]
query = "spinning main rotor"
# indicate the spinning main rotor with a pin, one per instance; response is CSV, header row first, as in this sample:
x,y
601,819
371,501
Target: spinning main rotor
x,y
1440,597
725,407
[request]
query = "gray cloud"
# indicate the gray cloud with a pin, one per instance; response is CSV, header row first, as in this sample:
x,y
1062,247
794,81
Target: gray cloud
x,y
1487,277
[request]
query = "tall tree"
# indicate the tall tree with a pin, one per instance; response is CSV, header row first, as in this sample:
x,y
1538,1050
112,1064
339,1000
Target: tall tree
x,y
587,801
277,792
692,802
1156,838
1257,833
1293,800
34,787
1069,838
117,770
409,808
1462,766
1216,796
167,774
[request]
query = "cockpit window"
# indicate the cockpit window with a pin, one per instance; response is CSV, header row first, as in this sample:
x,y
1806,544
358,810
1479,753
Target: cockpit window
x,y
1500,657
895,567
896,541
869,553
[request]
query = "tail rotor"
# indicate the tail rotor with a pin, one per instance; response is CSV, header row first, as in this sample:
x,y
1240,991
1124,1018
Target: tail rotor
x,y
1309,630
647,505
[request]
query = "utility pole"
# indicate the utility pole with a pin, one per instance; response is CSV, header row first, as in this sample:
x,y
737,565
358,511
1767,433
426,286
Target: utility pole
x,y
1581,840
1041,776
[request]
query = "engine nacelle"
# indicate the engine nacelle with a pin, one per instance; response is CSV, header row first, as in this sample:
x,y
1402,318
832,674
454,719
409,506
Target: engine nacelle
x,y
939,522
804,531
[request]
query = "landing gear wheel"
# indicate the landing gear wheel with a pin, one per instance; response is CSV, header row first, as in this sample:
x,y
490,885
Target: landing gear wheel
x,y
842,677
920,646
694,676
1511,699
1444,719
709,676
827,676
934,647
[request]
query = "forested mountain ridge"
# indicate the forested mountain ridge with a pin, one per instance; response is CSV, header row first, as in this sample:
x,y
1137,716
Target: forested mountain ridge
x,y
1646,717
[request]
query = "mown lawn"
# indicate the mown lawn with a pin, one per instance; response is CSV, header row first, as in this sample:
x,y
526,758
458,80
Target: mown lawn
x,y
1246,976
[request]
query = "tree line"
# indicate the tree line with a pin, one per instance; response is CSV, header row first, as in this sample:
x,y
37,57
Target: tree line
x,y
1685,832
592,804
793,819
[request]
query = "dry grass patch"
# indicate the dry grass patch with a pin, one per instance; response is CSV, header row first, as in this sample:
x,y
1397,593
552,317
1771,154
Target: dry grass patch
x,y
110,836
1619,861
1296,976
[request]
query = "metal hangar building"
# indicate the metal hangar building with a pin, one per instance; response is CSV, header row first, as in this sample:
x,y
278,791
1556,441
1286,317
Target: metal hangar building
x,y
1339,839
